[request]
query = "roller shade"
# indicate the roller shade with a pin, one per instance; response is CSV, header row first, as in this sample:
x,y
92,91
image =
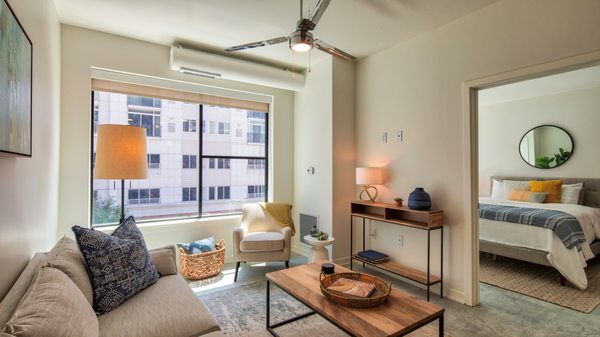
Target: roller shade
x,y
176,95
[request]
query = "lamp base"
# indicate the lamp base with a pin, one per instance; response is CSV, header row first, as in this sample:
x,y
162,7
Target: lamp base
x,y
365,190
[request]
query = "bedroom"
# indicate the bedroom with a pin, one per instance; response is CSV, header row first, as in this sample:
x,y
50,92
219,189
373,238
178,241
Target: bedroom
x,y
536,119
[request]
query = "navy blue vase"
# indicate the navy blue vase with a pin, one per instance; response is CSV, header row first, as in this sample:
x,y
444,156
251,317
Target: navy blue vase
x,y
419,200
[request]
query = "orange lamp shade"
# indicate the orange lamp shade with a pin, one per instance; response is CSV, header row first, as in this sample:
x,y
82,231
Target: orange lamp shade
x,y
368,176
121,152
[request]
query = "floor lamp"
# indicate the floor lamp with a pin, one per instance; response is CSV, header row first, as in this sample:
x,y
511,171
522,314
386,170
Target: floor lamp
x,y
121,154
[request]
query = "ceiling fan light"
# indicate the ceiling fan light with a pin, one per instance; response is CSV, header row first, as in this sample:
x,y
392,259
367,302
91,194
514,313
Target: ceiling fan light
x,y
301,47
301,41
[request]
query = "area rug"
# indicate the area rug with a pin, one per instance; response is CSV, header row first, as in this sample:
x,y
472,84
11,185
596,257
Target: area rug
x,y
541,282
240,312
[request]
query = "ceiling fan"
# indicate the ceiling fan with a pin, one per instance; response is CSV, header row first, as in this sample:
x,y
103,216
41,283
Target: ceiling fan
x,y
301,40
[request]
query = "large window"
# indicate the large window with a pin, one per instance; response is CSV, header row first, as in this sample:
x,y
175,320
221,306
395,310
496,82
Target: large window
x,y
232,171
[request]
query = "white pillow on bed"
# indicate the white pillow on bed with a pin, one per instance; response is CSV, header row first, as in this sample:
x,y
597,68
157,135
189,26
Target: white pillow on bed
x,y
570,193
509,185
497,190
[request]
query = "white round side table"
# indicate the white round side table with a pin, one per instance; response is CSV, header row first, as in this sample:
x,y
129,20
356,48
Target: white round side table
x,y
318,251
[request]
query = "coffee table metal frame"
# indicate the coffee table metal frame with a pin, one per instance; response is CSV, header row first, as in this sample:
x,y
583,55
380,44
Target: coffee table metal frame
x,y
271,327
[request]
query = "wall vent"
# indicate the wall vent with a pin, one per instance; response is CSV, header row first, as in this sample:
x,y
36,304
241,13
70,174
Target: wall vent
x,y
307,221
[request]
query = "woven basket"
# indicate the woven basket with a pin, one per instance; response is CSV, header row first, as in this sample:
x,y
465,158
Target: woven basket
x,y
377,297
202,265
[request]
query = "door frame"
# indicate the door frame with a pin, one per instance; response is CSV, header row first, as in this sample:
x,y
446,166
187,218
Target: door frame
x,y
471,146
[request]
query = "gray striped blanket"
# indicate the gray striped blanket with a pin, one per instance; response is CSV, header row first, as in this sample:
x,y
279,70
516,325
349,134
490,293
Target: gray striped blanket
x,y
565,225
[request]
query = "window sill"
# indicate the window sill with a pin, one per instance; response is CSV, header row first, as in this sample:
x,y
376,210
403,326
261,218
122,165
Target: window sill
x,y
178,223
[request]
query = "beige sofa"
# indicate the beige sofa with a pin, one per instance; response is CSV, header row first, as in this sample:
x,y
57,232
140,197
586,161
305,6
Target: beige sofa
x,y
167,308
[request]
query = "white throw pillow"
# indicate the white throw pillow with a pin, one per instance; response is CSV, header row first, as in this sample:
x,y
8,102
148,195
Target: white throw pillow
x,y
497,190
509,185
570,193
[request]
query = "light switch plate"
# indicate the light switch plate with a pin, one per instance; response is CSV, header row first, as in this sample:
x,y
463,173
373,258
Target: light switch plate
x,y
384,137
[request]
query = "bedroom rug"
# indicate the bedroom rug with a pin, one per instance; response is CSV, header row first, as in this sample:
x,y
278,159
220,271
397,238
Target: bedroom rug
x,y
542,282
240,312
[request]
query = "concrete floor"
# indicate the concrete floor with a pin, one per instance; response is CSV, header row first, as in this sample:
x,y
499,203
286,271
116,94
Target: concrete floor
x,y
501,312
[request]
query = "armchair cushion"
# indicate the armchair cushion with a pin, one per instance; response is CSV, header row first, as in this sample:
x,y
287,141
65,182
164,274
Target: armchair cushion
x,y
262,242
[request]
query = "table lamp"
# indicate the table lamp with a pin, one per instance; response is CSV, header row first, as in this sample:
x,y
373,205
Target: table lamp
x,y
368,176
121,154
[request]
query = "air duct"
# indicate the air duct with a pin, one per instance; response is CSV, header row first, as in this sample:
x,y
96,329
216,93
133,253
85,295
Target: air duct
x,y
194,62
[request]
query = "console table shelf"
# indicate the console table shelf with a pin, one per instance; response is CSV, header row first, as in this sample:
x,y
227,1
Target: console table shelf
x,y
404,271
402,216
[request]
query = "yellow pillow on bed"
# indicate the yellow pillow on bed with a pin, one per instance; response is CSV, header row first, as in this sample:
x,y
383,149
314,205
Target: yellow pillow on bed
x,y
552,187
519,195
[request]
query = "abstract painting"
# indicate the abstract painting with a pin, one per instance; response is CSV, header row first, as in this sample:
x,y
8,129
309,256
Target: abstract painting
x,y
15,85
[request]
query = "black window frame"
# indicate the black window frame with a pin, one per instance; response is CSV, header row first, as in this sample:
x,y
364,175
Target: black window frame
x,y
200,156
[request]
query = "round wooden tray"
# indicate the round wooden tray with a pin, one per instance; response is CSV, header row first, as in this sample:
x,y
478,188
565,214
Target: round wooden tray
x,y
378,297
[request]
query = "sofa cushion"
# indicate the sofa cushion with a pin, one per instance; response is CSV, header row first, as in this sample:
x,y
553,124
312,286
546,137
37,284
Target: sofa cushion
x,y
119,264
19,288
53,306
262,242
165,260
167,308
66,257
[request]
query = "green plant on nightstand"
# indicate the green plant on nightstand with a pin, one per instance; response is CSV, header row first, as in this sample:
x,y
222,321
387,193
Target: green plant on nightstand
x,y
398,201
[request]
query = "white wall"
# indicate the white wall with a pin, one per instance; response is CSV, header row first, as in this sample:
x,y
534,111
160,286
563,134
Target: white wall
x,y
83,49
313,146
29,186
502,125
324,139
416,86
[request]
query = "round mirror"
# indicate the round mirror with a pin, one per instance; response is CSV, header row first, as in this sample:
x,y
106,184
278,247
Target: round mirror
x,y
546,146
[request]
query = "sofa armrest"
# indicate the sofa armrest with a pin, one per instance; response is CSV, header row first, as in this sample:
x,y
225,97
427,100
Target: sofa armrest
x,y
165,260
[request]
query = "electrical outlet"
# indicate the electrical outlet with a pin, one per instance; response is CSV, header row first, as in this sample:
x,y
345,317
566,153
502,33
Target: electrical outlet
x,y
400,240
384,137
399,137
372,230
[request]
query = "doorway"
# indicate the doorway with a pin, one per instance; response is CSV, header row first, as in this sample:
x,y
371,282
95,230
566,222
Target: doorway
x,y
471,149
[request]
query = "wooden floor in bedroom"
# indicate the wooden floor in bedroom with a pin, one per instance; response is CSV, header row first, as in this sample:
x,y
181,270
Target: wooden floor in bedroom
x,y
501,312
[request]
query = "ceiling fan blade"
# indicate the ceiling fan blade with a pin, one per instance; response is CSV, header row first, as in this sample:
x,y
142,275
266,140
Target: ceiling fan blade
x,y
319,10
258,44
326,47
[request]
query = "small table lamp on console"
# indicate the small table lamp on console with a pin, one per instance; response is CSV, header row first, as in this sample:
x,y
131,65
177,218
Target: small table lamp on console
x,y
368,176
121,154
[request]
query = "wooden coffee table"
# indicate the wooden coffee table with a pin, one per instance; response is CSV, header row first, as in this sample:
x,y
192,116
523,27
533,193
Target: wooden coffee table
x,y
398,316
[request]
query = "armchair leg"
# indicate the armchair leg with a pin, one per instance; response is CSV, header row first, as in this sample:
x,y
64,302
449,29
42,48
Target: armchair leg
x,y
237,266
287,264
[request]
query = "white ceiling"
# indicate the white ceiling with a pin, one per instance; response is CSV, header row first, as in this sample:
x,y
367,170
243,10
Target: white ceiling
x,y
543,86
359,27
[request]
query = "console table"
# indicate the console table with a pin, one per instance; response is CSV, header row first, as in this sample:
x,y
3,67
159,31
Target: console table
x,y
403,216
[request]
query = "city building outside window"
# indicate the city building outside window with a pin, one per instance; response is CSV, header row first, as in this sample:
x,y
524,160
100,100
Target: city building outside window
x,y
189,161
232,172
256,191
223,128
189,125
144,196
188,194
153,160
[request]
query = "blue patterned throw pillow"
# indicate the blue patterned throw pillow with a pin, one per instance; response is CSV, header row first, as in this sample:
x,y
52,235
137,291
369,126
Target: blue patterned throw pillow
x,y
119,264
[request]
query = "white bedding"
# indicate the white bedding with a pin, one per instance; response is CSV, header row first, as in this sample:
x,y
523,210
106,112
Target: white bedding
x,y
569,262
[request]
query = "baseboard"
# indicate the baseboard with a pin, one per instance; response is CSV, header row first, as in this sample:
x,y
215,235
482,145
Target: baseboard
x,y
344,261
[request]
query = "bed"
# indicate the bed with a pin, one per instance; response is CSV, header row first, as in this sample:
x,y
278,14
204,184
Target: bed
x,y
541,245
